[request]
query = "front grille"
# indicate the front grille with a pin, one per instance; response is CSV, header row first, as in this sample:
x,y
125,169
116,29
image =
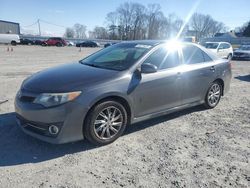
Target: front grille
x,y
27,99
238,53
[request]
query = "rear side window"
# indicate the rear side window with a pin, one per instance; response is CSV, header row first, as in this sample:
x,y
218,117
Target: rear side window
x,y
163,59
193,55
224,46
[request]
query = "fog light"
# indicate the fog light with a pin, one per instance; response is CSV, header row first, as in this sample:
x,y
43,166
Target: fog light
x,y
53,129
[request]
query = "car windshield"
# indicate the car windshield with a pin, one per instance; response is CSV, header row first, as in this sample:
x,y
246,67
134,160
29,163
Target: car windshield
x,y
117,57
245,47
211,45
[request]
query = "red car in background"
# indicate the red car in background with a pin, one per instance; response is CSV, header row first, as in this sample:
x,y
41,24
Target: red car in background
x,y
55,41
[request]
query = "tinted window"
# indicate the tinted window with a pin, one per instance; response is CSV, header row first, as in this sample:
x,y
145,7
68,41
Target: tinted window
x,y
224,46
163,59
227,45
192,55
211,45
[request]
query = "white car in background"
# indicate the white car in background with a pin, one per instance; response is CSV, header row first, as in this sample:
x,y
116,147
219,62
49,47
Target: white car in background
x,y
12,39
242,53
222,49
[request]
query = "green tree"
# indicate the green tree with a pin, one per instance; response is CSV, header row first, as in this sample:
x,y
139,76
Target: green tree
x,y
246,30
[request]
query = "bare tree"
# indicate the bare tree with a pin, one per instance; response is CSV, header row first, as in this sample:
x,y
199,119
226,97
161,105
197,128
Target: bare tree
x,y
205,25
69,33
112,19
138,21
124,12
217,27
155,19
100,33
80,31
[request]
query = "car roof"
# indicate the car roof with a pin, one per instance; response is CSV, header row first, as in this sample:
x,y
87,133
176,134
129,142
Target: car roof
x,y
217,42
146,42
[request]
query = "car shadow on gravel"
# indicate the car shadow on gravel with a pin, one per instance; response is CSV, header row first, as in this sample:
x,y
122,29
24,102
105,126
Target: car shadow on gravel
x,y
18,148
243,78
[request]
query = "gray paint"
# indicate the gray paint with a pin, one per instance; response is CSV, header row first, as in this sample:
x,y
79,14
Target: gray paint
x,y
148,95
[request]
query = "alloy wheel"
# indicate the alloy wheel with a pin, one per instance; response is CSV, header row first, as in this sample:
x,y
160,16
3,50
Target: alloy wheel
x,y
214,94
108,123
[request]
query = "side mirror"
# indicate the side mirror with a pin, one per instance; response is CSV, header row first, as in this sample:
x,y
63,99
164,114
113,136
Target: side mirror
x,y
148,68
220,49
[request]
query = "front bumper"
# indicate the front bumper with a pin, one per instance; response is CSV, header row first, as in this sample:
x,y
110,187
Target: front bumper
x,y
35,120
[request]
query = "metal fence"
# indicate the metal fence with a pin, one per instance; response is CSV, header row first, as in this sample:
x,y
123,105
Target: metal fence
x,y
233,41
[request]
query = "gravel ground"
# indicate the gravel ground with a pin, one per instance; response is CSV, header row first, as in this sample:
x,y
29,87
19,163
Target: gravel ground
x,y
191,148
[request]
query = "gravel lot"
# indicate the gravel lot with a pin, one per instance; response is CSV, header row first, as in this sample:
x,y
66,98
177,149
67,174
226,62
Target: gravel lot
x,y
191,148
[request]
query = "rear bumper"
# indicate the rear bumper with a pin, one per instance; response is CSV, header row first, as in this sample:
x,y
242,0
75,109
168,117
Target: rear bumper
x,y
35,121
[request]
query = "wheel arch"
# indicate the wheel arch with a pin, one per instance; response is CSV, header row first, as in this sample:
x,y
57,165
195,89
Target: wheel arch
x,y
221,82
116,98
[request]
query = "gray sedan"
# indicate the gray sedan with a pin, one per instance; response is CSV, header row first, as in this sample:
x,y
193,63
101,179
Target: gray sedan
x,y
97,97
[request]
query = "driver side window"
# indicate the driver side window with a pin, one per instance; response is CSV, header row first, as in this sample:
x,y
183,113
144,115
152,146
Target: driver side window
x,y
163,59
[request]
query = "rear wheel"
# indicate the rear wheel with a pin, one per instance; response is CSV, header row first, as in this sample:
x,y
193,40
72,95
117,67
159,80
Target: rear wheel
x,y
213,95
105,123
59,44
13,43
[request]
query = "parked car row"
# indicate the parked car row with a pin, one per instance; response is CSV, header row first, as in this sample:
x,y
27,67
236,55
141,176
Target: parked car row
x,y
88,44
15,39
222,49
242,53
225,50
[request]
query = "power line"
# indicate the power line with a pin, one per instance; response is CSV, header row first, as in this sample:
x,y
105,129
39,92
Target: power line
x,y
52,23
30,24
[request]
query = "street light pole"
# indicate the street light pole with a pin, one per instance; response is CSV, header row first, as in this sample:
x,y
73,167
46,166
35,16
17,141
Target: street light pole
x,y
39,28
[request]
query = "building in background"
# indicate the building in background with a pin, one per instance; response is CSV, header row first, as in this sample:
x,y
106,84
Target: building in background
x,y
9,27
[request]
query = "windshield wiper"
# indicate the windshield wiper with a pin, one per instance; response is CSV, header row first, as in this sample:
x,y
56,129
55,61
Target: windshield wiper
x,y
90,64
98,66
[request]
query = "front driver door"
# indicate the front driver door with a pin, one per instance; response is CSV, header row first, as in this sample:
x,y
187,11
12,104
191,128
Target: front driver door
x,y
158,91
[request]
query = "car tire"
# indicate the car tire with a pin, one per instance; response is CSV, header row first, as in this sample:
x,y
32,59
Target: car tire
x,y
59,44
13,43
229,57
213,95
105,122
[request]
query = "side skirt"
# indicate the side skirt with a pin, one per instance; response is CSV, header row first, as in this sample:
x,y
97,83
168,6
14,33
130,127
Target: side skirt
x,y
165,112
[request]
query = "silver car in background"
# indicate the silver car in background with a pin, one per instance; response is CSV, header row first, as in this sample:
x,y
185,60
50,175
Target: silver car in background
x,y
125,83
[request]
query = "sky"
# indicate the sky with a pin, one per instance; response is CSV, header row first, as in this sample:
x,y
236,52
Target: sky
x,y
65,13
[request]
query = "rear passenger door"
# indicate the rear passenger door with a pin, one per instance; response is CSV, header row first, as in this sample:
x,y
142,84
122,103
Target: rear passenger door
x,y
198,72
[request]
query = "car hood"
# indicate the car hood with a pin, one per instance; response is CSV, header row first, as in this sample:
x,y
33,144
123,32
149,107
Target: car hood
x,y
67,78
243,51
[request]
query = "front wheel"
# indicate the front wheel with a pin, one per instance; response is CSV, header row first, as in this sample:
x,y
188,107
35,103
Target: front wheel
x,y
213,95
105,123
229,57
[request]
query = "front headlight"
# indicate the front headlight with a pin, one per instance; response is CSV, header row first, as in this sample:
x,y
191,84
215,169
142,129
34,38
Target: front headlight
x,y
54,99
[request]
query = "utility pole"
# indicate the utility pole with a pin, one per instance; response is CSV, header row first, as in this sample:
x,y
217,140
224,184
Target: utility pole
x,y
39,28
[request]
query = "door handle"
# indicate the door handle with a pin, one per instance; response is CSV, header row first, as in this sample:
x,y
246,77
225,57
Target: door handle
x,y
178,74
212,68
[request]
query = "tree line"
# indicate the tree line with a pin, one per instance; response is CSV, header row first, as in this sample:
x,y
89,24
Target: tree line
x,y
134,21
